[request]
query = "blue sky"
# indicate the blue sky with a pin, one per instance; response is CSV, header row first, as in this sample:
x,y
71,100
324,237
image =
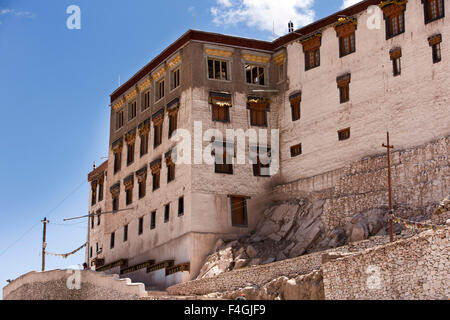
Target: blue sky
x,y
55,85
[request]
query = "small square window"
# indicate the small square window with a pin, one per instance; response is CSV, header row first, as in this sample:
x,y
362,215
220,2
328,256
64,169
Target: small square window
x,y
344,134
296,150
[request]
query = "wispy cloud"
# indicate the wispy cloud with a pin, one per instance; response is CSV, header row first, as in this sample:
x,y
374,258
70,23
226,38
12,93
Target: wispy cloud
x,y
349,3
16,13
264,15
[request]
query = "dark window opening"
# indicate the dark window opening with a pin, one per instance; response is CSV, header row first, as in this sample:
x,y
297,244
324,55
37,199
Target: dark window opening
x,y
239,211
111,243
125,233
166,213
296,150
344,134
180,206
153,220
141,226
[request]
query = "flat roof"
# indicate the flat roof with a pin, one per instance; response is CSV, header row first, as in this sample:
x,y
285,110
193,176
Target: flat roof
x,y
221,39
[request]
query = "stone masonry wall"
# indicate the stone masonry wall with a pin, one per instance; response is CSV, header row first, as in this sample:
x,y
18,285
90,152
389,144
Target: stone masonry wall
x,y
420,179
52,285
415,268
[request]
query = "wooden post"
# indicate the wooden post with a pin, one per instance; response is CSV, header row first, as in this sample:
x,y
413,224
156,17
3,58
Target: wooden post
x,y
44,244
389,147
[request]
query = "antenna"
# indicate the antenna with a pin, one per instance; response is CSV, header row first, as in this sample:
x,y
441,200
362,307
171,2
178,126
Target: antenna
x,y
273,29
119,80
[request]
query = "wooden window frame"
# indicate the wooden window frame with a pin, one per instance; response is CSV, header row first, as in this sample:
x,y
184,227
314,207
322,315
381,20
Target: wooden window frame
x,y
351,45
129,196
295,102
258,74
296,150
396,55
145,100
175,78
160,89
112,240
220,107
315,61
427,7
167,213
153,220
140,226
130,154
435,44
173,122
155,167
245,213
344,134
223,168
115,203
132,110
142,189
221,77
143,150
394,16
120,119
343,84
181,206
258,165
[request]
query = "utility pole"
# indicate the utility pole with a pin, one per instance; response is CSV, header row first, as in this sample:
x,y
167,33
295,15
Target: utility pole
x,y
389,147
44,244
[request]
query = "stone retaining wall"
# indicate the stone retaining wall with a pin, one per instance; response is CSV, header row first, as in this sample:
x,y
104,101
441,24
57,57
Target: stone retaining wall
x,y
415,268
52,285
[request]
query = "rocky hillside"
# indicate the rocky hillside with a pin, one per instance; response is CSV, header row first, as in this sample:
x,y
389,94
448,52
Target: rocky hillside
x,y
291,229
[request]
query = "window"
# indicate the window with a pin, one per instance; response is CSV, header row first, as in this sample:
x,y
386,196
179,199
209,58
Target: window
x,y
435,44
434,10
130,153
117,150
223,155
125,233
343,84
92,221
280,68
100,190
93,192
173,122
99,213
170,169
157,128
96,248
347,44
396,54
111,242
295,106
117,162
115,203
132,110
344,134
238,211
261,159
159,90
145,100
220,106
258,111
153,220
156,172
141,186
144,144
166,213
394,15
255,74
119,119
296,150
217,69
90,253
175,79
312,59
141,226
180,206
128,183
129,196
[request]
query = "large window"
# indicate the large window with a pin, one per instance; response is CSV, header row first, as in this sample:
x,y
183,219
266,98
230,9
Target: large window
x,y
175,78
159,90
145,100
119,119
220,106
258,111
347,44
255,74
394,15
218,69
223,155
132,110
238,211
434,9
312,59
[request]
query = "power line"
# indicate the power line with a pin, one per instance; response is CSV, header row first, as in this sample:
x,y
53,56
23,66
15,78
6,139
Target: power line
x,y
48,215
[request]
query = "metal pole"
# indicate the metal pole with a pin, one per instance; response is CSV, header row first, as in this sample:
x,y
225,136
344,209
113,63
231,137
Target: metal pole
x,y
44,244
389,147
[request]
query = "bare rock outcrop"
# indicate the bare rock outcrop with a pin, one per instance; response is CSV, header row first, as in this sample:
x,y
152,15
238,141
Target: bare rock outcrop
x,y
287,230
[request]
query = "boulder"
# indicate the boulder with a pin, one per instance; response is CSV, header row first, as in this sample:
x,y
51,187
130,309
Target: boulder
x,y
358,233
268,228
251,251
240,263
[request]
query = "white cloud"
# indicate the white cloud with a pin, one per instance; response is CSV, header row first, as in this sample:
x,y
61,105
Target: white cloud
x,y
263,14
349,3
16,13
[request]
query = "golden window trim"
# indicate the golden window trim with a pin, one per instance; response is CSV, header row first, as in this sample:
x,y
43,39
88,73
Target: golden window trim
x,y
131,95
345,27
395,53
221,53
144,85
130,138
158,120
280,58
259,103
255,58
159,74
393,8
118,105
118,147
312,43
434,40
144,130
156,167
174,62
